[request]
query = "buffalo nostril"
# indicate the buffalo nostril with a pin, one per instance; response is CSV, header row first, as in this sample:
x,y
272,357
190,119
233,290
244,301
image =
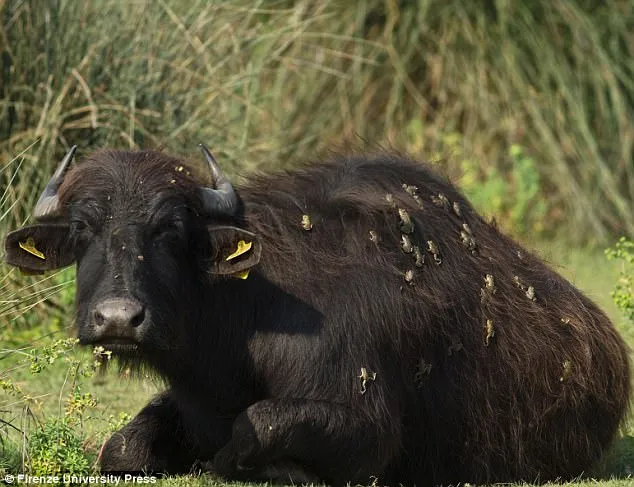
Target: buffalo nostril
x,y
119,314
99,318
138,318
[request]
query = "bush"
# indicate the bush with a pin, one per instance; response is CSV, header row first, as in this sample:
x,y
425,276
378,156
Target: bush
x,y
623,294
513,195
57,443
56,448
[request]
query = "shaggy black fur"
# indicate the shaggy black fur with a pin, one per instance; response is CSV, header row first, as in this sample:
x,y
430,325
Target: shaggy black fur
x,y
434,350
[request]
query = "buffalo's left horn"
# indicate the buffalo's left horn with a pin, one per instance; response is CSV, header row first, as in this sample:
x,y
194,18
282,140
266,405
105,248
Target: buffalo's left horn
x,y
48,204
221,199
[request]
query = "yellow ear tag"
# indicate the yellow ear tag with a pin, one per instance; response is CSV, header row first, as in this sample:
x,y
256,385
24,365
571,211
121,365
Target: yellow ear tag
x,y
243,247
29,246
242,274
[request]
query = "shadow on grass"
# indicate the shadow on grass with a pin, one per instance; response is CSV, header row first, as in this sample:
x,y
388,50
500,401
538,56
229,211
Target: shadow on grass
x,y
10,456
619,463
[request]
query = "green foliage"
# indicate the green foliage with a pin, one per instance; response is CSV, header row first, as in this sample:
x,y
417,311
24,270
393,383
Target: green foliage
x,y
512,195
10,457
527,211
78,402
57,448
620,460
623,293
57,444
48,354
116,422
10,387
267,84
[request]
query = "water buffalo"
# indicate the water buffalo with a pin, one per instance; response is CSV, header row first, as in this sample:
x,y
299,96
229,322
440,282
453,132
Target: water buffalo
x,y
346,320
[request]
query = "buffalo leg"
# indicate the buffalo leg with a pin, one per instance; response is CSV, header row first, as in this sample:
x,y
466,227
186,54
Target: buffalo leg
x,y
303,440
152,442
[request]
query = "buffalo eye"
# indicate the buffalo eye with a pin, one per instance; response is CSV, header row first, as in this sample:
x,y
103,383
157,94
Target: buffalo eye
x,y
168,232
81,233
80,228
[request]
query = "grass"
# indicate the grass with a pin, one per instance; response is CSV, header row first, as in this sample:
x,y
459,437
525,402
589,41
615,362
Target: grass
x,y
587,268
211,482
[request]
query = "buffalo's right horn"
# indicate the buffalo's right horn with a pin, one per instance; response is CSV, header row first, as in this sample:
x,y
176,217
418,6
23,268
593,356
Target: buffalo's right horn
x,y
222,198
48,204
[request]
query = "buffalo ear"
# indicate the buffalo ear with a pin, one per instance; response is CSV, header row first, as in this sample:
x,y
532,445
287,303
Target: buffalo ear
x,y
39,248
234,251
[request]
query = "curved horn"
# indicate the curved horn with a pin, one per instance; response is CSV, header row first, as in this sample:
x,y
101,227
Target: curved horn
x,y
48,204
222,198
